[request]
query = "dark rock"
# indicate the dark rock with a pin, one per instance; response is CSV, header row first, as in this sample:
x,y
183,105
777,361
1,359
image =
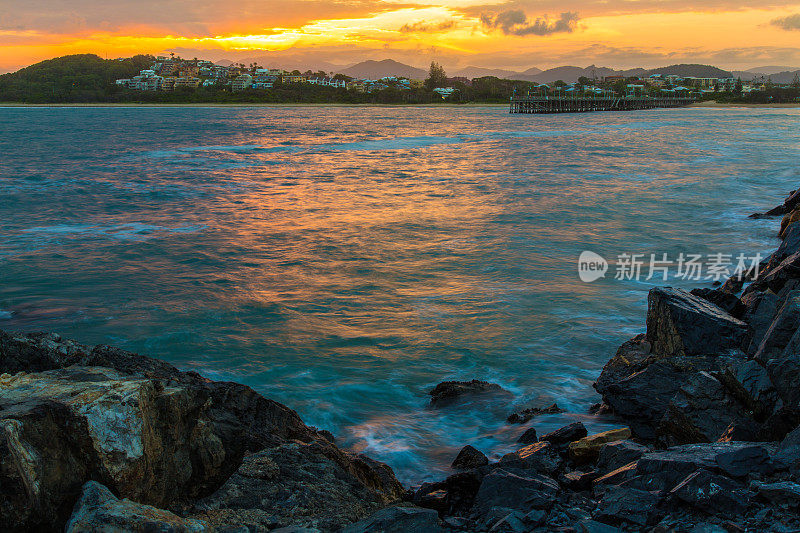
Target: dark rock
x,y
701,411
615,477
587,449
781,493
775,278
749,383
535,517
624,505
521,491
527,414
99,510
788,455
541,457
781,331
563,436
398,520
449,392
438,500
469,457
742,431
593,526
725,300
577,480
784,371
513,522
680,323
529,437
455,495
742,461
138,425
761,308
618,454
712,493
307,484
778,424
734,284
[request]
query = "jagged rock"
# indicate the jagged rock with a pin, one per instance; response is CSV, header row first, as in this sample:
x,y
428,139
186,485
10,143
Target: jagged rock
x,y
680,323
781,493
98,510
618,454
588,448
593,526
513,522
527,414
781,331
784,372
541,457
307,484
742,461
742,430
631,357
515,489
398,520
60,428
712,493
701,411
449,392
775,278
136,424
469,457
563,436
577,480
788,454
749,383
620,505
761,308
787,222
722,299
529,437
455,495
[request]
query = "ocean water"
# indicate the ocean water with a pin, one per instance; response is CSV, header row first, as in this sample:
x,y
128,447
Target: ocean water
x,y
344,260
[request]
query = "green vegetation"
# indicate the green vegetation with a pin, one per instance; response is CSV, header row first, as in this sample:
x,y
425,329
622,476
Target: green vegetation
x,y
75,78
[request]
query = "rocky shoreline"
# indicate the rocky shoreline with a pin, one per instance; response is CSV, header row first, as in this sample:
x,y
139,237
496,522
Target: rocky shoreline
x,y
93,438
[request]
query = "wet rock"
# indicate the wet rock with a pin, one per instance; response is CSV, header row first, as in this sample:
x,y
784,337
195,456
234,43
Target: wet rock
x,y
723,299
517,490
743,431
615,477
618,454
781,493
526,415
454,495
750,384
529,437
513,522
743,461
563,436
307,484
622,505
788,454
398,520
100,511
789,220
761,308
701,411
588,448
593,526
449,392
577,480
712,493
469,457
680,323
775,278
784,372
540,457
781,331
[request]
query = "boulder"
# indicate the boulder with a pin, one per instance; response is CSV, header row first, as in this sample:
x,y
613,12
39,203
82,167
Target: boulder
x,y
760,310
529,437
722,299
789,220
525,415
780,493
621,505
788,454
712,493
680,323
513,522
588,448
749,382
98,510
541,457
701,411
775,277
469,457
398,519
308,484
453,496
783,328
450,392
515,489
561,437
784,372
614,455
743,461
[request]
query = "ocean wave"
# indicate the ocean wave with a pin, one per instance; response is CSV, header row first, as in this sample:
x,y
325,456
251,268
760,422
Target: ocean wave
x,y
5,315
131,231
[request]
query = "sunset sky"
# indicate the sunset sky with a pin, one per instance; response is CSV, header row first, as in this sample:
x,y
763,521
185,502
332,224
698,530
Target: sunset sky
x,y
515,34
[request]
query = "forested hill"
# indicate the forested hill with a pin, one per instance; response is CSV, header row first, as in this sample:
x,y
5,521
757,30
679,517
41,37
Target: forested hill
x,y
74,78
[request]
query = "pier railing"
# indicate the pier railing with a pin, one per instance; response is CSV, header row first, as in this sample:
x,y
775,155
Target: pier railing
x,y
578,104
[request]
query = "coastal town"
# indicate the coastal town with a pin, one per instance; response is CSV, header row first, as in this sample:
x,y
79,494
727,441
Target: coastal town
x,y
171,73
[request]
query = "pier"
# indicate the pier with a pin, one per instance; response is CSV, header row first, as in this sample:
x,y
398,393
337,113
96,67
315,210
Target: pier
x,y
570,104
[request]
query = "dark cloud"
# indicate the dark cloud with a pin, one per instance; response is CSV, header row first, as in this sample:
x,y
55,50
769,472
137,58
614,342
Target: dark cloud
x,y
791,22
424,27
515,22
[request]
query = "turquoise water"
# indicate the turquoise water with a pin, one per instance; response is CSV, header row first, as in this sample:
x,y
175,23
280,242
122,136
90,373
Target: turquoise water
x,y
345,260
